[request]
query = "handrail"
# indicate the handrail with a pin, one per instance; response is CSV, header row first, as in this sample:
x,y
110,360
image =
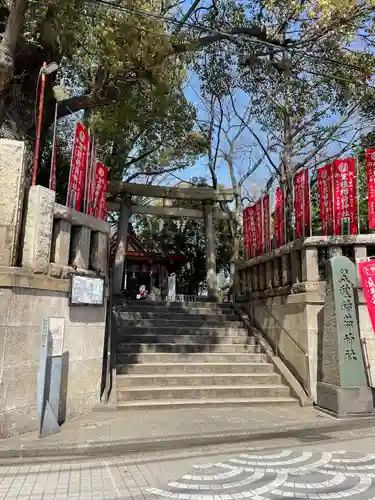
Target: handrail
x,y
252,295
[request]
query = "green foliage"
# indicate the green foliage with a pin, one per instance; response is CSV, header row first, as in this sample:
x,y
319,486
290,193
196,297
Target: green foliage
x,y
185,236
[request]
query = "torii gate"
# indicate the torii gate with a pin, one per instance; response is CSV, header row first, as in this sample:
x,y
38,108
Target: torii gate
x,y
208,196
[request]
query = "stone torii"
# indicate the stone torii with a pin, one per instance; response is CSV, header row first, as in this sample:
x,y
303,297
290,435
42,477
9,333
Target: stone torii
x,y
208,196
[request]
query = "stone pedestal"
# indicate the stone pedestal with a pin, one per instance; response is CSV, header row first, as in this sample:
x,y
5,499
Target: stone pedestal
x,y
81,247
12,174
61,242
343,389
345,401
98,252
286,272
38,230
310,264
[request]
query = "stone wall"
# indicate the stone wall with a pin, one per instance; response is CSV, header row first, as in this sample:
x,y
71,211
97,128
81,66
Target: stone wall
x,y
24,301
55,242
284,292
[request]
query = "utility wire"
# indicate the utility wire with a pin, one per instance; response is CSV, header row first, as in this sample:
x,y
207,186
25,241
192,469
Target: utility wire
x,y
203,28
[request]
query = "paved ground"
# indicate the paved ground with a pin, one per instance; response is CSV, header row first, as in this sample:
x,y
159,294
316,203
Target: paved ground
x,y
123,432
338,464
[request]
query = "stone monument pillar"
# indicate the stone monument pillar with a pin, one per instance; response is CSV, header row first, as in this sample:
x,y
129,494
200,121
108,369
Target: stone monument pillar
x,y
343,389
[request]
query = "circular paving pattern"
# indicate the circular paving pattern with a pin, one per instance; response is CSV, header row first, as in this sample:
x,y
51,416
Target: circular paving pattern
x,y
270,476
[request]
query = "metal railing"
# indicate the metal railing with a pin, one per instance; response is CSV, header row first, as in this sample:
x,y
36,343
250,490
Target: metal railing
x,y
306,385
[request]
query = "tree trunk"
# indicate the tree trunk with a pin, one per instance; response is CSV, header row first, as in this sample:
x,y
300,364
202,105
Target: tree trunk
x,y
9,42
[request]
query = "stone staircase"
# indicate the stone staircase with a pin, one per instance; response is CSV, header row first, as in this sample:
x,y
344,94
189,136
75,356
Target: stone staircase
x,y
190,354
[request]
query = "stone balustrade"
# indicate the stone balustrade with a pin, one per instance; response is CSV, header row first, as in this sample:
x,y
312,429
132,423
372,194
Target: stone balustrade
x,y
284,293
299,266
59,241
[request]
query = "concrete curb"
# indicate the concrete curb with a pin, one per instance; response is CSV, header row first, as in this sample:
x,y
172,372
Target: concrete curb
x,y
124,447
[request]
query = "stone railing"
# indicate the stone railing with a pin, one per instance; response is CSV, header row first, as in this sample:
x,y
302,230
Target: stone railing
x,y
284,293
59,241
300,265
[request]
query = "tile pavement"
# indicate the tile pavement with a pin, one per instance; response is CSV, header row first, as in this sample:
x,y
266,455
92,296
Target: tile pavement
x,y
161,429
342,467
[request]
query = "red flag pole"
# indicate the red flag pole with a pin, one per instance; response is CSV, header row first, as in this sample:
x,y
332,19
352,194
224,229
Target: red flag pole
x,y
52,175
309,195
333,201
357,196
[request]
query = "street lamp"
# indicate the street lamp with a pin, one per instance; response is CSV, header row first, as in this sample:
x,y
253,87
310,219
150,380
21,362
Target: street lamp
x,y
47,69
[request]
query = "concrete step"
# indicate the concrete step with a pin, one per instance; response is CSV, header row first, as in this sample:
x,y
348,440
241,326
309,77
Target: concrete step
x,y
174,307
177,338
182,330
135,348
165,316
197,379
191,322
202,392
125,360
266,402
208,367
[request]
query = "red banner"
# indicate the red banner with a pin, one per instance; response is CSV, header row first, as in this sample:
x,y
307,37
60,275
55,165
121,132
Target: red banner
x,y
266,223
301,203
246,233
366,271
370,170
259,227
102,211
78,168
280,218
326,199
100,189
252,231
344,196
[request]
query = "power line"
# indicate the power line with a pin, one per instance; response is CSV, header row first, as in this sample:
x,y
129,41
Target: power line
x,y
226,35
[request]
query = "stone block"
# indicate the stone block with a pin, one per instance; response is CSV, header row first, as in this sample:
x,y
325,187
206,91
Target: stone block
x,y
83,377
4,304
80,247
21,346
12,174
254,270
310,264
17,421
334,251
84,342
360,252
262,276
38,230
345,401
61,242
99,252
277,273
286,271
269,274
79,405
27,307
18,387
296,266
